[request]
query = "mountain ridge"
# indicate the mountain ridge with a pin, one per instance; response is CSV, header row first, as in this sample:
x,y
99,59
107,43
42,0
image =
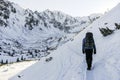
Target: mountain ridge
x,y
69,63
24,32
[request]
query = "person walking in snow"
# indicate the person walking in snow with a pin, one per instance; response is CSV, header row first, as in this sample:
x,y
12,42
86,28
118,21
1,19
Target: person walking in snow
x,y
88,47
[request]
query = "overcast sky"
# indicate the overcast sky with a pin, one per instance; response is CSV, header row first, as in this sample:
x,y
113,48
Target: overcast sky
x,y
71,7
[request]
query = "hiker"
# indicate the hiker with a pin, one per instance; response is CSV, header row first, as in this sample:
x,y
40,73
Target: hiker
x,y
88,47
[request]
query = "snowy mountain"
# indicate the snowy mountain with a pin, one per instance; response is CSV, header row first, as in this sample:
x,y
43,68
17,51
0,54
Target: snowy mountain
x,y
28,34
68,62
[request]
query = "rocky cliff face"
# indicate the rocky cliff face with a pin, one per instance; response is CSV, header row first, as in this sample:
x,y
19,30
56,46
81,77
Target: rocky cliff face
x,y
36,33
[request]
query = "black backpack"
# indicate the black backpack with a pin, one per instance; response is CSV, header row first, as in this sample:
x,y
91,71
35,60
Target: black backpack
x,y
89,42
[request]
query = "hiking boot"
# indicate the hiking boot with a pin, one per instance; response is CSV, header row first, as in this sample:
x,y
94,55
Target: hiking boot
x,y
88,68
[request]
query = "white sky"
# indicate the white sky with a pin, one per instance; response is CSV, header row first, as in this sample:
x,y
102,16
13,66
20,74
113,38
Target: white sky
x,y
71,7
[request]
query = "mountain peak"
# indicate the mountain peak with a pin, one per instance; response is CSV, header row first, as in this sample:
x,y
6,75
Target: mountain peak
x,y
68,61
29,33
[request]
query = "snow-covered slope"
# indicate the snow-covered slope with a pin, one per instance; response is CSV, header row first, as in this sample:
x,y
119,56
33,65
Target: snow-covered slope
x,y
6,71
35,34
68,62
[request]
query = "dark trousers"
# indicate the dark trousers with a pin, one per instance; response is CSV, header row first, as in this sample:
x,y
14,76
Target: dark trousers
x,y
89,53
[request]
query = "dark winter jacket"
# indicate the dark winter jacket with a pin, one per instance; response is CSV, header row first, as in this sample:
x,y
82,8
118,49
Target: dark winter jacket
x,y
84,48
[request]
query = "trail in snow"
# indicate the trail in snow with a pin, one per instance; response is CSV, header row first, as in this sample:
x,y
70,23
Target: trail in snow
x,y
81,69
89,75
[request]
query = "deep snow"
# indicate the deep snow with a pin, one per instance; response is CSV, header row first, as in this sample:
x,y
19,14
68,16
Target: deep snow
x,y
69,63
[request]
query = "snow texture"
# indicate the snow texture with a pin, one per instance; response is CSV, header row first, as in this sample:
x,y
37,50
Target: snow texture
x,y
68,62
27,33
